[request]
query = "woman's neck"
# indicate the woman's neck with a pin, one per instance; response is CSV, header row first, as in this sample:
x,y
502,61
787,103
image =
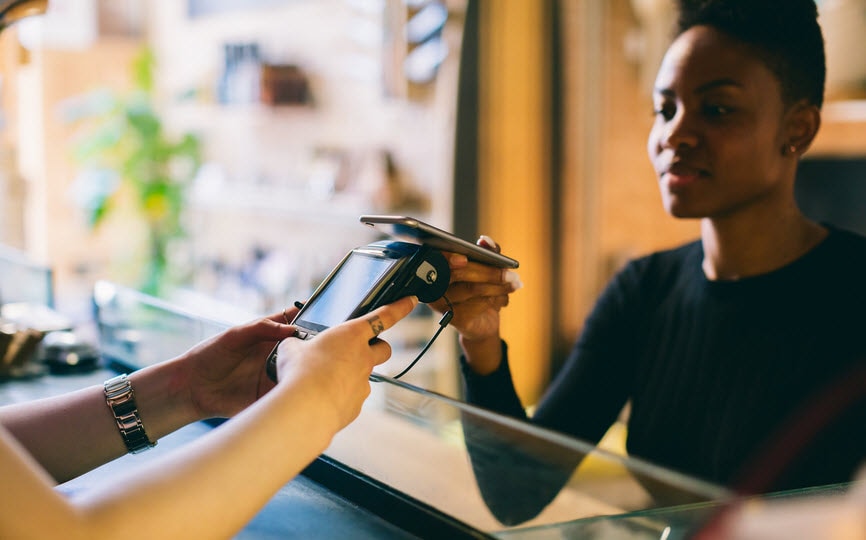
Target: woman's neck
x,y
736,248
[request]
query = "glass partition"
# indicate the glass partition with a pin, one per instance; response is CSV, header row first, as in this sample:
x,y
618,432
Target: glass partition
x,y
24,280
137,330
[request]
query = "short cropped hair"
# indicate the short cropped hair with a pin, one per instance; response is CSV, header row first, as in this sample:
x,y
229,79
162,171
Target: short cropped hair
x,y
784,34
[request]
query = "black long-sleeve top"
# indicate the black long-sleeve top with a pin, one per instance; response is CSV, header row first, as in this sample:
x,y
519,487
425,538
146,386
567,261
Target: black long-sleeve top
x,y
719,371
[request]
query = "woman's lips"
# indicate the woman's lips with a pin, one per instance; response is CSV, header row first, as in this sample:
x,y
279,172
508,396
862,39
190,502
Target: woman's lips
x,y
679,181
679,177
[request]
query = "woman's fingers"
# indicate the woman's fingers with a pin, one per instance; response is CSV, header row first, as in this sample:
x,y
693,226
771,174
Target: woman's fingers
x,y
474,306
477,272
489,243
482,273
465,291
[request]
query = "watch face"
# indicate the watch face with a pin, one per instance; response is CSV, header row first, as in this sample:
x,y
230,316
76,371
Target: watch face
x,y
117,386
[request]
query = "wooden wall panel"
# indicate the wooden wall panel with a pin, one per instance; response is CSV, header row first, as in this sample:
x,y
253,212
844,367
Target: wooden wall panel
x,y
514,173
633,221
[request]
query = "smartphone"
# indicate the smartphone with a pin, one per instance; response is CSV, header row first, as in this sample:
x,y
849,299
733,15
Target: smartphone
x,y
414,230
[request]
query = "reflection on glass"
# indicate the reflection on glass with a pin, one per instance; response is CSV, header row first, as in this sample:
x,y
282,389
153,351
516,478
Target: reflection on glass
x,y
137,330
23,280
486,470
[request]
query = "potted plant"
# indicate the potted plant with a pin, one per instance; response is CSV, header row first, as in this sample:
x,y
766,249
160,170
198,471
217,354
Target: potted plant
x,y
124,150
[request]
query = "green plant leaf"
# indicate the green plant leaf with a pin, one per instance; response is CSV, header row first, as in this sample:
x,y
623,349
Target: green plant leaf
x,y
124,133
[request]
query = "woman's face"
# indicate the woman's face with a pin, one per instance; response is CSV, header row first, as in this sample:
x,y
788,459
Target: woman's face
x,y
716,144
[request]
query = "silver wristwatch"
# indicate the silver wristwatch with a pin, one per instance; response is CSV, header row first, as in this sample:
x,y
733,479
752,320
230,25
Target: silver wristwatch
x,y
121,401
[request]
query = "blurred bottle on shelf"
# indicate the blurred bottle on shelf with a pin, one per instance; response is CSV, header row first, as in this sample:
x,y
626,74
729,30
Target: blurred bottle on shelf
x,y
240,80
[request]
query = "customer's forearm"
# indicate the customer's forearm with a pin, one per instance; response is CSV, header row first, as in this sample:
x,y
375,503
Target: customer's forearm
x,y
74,433
217,483
207,489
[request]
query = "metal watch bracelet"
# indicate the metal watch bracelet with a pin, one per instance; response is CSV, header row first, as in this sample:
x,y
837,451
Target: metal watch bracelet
x,y
121,400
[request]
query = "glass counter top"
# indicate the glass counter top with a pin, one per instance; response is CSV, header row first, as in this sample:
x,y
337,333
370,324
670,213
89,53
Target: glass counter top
x,y
492,476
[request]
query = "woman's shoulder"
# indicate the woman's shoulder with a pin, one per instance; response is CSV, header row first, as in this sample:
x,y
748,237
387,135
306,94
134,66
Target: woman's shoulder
x,y
839,263
846,237
665,267
844,245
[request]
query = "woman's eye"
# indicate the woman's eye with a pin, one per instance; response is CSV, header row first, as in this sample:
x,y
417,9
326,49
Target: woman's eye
x,y
665,111
716,110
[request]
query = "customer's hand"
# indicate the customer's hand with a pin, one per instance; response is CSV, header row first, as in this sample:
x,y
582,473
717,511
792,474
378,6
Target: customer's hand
x,y
335,366
225,374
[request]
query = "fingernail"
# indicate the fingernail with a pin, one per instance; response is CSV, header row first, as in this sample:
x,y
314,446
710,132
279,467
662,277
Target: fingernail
x,y
485,240
513,278
414,300
457,260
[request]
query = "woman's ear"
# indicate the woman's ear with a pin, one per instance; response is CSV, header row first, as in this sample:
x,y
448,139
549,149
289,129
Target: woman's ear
x,y
802,122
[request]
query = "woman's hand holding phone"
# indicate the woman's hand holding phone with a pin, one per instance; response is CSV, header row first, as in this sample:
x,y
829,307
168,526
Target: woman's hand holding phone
x,y
477,293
